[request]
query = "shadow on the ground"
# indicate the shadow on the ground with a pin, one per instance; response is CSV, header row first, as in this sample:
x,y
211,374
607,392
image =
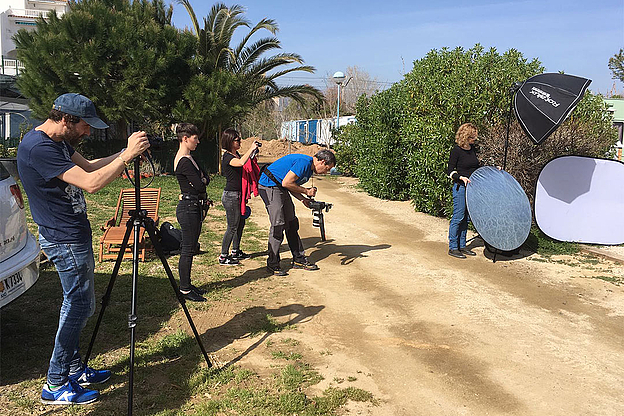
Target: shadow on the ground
x,y
256,320
494,254
319,250
162,368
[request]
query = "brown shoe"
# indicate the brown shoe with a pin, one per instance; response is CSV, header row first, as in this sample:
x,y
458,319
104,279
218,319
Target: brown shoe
x,y
304,265
456,253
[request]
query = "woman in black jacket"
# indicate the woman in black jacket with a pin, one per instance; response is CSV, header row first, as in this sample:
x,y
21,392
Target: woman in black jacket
x,y
462,162
193,181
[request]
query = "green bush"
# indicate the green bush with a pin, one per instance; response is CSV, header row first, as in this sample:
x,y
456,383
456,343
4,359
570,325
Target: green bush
x,y
540,243
400,146
372,150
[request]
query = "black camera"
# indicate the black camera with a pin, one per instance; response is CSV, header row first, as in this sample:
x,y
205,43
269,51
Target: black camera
x,y
318,220
320,206
155,142
254,153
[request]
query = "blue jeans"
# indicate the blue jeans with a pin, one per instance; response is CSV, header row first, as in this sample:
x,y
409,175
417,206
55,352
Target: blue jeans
x,y
459,221
235,222
75,265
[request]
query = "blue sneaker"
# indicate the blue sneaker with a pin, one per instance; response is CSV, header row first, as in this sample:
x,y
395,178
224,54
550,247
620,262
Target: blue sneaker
x,y
90,376
68,393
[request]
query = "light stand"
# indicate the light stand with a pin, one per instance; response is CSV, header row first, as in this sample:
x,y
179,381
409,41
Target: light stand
x,y
138,219
339,78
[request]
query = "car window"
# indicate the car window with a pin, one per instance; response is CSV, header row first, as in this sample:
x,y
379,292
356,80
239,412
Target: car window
x,y
3,173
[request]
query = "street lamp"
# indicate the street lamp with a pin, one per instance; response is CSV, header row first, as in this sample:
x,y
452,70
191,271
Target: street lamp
x,y
339,78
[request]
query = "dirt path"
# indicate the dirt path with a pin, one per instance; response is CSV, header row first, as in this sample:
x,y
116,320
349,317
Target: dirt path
x,y
430,334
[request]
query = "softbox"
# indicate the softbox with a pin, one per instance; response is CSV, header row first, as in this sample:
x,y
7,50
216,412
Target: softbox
x,y
544,101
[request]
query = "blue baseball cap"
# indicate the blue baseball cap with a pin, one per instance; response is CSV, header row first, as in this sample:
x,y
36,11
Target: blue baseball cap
x,y
81,106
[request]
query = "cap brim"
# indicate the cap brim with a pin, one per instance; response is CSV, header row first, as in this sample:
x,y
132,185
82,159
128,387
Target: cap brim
x,y
95,122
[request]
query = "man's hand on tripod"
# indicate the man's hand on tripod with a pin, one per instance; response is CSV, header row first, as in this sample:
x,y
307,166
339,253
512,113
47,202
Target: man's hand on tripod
x,y
137,144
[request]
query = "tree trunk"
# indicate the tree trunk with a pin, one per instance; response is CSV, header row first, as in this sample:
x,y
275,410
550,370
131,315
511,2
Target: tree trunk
x,y
219,147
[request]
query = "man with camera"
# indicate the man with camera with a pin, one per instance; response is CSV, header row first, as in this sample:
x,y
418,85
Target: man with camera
x,y
277,182
54,176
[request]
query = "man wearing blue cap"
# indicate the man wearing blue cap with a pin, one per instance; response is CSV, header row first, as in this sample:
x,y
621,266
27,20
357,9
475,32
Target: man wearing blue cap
x,y
54,175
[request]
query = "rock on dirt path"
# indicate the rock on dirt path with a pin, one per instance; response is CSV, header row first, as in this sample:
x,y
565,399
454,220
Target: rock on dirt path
x,y
435,335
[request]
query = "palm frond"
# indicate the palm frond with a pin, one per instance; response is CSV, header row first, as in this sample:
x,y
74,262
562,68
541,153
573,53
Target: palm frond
x,y
295,92
268,24
191,13
264,65
250,54
305,68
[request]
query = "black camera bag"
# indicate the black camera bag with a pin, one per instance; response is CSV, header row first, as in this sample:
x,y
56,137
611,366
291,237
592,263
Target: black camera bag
x,y
170,238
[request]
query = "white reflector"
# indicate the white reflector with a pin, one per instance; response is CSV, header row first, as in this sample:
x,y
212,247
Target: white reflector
x,y
581,199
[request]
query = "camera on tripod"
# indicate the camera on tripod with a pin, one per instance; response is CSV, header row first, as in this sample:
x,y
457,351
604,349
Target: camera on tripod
x,y
155,142
320,206
318,220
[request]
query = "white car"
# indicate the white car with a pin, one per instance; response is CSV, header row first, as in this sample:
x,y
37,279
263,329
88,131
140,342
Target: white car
x,y
19,249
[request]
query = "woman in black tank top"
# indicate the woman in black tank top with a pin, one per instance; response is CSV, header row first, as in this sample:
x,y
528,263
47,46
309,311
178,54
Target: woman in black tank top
x,y
192,180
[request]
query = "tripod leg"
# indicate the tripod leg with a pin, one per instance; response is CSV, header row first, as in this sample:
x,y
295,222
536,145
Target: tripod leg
x,y
149,226
132,318
109,290
473,238
322,225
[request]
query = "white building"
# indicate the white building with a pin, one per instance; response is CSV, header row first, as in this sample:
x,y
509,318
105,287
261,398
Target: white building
x,y
318,131
21,14
16,15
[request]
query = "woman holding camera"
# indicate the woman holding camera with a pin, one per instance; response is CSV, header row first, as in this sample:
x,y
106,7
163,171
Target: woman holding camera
x,y
193,181
232,168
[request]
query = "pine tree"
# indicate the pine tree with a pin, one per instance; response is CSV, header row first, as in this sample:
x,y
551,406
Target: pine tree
x,y
124,55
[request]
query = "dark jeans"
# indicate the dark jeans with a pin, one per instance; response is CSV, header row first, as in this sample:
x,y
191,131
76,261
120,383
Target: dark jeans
x,y
190,220
235,222
283,220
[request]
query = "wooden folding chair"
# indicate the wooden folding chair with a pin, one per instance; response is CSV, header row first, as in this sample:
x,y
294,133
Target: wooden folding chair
x,y
115,228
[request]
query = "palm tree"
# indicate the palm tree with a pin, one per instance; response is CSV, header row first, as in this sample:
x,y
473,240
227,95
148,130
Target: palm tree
x,y
259,74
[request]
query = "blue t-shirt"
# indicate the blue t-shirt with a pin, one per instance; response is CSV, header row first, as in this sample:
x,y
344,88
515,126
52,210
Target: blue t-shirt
x,y
57,207
300,165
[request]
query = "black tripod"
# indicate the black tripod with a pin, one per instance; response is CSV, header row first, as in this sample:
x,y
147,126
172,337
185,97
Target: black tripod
x,y
138,219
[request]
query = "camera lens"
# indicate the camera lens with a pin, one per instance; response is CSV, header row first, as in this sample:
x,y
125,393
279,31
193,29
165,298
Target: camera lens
x,y
316,219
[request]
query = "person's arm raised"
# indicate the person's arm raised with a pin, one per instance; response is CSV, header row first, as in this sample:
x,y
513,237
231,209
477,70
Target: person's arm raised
x,y
95,164
98,179
237,163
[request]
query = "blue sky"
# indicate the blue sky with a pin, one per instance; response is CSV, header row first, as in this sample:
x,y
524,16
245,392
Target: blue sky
x,y
383,38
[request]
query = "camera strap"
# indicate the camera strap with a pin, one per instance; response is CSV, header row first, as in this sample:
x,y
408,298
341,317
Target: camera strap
x,y
269,174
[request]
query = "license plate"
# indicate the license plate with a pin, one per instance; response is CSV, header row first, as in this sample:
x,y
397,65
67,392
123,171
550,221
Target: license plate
x,y
11,284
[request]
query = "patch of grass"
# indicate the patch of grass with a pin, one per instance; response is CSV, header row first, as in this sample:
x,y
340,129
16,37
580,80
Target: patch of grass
x,y
286,356
617,280
298,374
290,342
170,375
268,324
540,243
22,401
